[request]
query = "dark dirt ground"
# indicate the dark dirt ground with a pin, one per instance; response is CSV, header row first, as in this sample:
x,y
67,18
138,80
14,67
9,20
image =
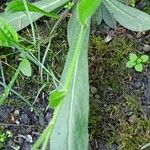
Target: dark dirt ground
x,y
119,100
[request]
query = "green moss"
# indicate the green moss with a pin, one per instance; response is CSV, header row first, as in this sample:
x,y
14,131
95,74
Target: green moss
x,y
4,136
111,60
134,131
117,118
147,8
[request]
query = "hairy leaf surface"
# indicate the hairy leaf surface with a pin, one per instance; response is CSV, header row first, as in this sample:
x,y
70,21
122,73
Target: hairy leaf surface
x,y
129,17
19,20
71,128
18,5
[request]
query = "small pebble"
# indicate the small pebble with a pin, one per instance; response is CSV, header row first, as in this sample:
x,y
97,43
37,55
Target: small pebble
x,y
93,59
137,84
20,140
17,122
48,116
16,112
94,90
97,96
25,118
146,48
139,35
140,48
132,119
29,138
41,121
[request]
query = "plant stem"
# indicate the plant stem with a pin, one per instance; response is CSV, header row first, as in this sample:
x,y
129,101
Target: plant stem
x,y
31,22
26,54
45,136
8,88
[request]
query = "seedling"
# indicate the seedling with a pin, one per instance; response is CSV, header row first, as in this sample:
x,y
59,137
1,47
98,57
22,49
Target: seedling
x,y
133,3
68,128
69,5
137,62
4,137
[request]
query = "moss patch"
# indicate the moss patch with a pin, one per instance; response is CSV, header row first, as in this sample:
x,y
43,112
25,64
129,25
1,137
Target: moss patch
x,y
116,116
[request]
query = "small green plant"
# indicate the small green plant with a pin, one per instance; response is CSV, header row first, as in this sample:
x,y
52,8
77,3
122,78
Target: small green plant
x,y
133,3
4,137
69,5
68,127
137,61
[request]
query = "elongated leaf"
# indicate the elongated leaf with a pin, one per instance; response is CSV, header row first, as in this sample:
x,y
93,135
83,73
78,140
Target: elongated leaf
x,y
123,1
86,8
129,17
18,5
9,86
19,20
146,147
108,17
8,35
71,128
98,16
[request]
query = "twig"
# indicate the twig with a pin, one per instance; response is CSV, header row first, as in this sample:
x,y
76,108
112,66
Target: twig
x,y
16,125
2,73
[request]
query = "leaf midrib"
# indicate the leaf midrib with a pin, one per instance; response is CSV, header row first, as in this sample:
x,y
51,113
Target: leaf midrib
x,y
78,50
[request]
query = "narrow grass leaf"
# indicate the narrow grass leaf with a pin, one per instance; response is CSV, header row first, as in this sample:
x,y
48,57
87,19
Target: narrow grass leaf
x,y
18,5
146,147
9,87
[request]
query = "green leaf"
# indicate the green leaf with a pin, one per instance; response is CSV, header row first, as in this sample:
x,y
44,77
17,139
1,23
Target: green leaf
x,y
144,58
86,8
8,35
129,17
138,67
71,128
18,5
146,147
133,57
9,86
20,20
138,61
98,16
108,17
25,67
56,97
130,64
